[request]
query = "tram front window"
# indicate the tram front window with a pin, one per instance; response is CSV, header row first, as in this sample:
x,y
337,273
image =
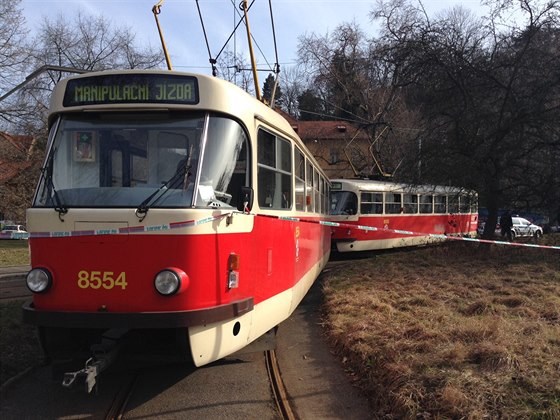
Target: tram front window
x,y
132,160
224,165
343,203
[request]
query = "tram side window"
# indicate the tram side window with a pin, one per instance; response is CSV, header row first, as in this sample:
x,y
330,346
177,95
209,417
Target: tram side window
x,y
371,203
316,191
300,180
309,187
464,203
474,203
324,196
426,205
440,204
453,204
410,203
274,171
393,203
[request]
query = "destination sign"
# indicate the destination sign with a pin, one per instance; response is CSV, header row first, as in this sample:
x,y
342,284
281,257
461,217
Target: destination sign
x,y
131,89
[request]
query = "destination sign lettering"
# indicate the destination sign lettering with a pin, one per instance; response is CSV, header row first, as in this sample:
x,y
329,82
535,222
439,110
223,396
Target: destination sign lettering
x,y
131,88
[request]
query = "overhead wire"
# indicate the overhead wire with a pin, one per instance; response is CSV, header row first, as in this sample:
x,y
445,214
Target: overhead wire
x,y
213,60
276,65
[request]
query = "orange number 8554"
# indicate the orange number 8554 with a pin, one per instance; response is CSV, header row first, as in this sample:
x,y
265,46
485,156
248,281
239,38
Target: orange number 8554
x,y
101,279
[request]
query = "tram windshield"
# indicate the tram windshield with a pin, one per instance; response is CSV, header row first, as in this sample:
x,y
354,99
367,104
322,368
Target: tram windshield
x,y
149,160
343,203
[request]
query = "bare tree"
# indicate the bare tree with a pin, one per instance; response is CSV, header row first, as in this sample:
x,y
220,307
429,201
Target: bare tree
x,y
87,43
351,81
293,81
235,69
14,56
488,97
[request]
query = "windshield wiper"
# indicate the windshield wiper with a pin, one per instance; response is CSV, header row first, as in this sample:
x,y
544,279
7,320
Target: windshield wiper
x,y
59,206
181,175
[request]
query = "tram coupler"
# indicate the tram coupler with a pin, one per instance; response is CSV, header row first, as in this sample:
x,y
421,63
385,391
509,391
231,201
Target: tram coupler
x,y
103,356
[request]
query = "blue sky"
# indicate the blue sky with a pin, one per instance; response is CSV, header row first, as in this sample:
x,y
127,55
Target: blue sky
x,y
183,32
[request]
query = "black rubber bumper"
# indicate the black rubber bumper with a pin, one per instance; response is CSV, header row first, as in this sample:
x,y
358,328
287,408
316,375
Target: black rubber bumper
x,y
135,320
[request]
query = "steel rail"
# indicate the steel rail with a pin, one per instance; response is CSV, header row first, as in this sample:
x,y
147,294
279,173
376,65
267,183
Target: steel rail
x,y
278,389
118,406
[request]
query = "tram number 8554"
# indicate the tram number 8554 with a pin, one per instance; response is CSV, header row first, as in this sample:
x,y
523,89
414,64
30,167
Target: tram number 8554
x,y
101,279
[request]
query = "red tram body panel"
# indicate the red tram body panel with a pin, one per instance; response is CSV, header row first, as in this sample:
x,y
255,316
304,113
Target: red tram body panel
x,y
204,258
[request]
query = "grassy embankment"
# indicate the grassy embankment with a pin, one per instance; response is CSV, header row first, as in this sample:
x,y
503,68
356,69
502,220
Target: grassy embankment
x,y
18,342
452,331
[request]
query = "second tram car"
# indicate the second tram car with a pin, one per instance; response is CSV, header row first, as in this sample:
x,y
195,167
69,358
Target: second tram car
x,y
160,207
402,215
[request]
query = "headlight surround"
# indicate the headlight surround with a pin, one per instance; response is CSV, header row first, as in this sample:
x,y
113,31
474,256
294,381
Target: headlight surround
x,y
39,280
170,281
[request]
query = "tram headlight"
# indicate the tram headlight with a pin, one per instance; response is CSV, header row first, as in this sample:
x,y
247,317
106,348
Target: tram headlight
x,y
170,281
39,280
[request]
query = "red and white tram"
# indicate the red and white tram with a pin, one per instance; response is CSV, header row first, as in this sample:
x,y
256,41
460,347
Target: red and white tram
x,y
379,214
144,218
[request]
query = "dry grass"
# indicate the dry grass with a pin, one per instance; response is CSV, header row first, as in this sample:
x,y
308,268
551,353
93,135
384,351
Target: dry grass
x,y
13,253
453,331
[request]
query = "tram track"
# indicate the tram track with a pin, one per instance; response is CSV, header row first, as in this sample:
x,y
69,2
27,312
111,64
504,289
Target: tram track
x,y
118,406
279,392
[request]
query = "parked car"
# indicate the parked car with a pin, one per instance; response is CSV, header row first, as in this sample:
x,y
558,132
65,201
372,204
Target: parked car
x,y
523,227
14,232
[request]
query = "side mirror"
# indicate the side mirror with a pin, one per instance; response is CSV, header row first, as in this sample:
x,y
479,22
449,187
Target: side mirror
x,y
245,202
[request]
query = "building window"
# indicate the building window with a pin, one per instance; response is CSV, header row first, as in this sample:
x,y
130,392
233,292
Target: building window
x,y
333,156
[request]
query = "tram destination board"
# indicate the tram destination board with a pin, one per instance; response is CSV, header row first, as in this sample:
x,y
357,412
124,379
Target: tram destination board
x,y
131,89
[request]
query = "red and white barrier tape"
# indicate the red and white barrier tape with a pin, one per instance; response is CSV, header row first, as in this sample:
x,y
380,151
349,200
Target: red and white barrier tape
x,y
411,233
130,229
191,223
